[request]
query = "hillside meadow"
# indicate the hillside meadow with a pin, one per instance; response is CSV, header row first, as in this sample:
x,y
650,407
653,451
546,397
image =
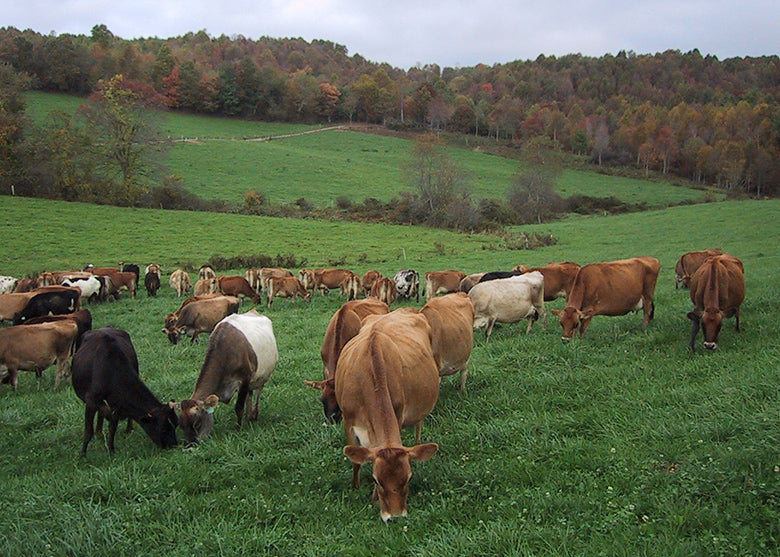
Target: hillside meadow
x,y
621,443
216,159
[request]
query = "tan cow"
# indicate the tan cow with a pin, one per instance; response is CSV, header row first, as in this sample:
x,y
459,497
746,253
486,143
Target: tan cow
x,y
387,379
267,273
180,282
717,292
508,300
285,287
36,347
206,272
451,318
329,279
199,315
368,280
206,286
306,276
442,282
233,285
384,289
610,288
558,278
342,327
351,286
252,276
688,263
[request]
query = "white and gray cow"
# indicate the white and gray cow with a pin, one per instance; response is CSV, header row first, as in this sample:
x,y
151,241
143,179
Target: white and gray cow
x,y
7,284
407,283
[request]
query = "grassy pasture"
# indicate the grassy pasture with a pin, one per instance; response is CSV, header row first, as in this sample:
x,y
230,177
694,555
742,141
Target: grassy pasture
x,y
323,166
623,443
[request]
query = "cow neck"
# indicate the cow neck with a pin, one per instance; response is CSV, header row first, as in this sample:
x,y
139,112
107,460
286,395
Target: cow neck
x,y
577,293
387,431
712,285
211,372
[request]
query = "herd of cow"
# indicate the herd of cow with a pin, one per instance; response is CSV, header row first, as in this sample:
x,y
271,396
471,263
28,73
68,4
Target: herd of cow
x,y
381,368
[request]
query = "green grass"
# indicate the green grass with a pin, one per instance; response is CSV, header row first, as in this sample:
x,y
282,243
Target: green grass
x,y
623,443
323,166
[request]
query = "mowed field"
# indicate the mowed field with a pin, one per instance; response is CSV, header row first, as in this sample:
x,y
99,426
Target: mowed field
x,y
218,158
621,443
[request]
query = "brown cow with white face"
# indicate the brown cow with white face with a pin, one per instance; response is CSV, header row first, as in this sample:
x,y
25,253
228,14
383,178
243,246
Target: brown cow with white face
x,y
387,379
717,292
610,288
451,318
442,282
688,263
342,327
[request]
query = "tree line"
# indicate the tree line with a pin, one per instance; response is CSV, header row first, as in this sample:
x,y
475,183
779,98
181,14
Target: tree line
x,y
715,122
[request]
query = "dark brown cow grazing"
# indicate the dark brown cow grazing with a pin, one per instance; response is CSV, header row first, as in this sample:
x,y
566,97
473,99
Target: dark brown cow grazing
x,y
198,315
343,326
451,318
387,379
241,356
442,282
688,263
384,289
11,304
106,378
717,292
152,279
285,287
558,278
35,348
610,288
368,280
233,285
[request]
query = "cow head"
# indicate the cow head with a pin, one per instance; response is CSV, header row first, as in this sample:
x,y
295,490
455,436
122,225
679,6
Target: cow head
x,y
571,320
160,424
197,417
711,321
328,399
170,329
391,474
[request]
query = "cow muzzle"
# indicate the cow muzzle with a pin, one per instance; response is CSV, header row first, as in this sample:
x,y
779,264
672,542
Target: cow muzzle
x,y
387,517
565,340
710,345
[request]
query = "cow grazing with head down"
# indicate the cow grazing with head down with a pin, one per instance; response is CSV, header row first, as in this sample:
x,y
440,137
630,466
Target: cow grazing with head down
x,y
265,274
351,286
89,286
233,285
56,301
152,279
451,318
198,314
368,280
206,272
407,284
442,282
180,282
609,288
688,263
329,279
106,379
35,347
384,289
387,379
342,327
241,356
508,300
285,287
558,278
306,276
717,292
205,286
11,304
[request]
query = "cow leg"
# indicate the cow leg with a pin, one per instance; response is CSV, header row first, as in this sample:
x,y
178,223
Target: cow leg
x,y
353,440
253,409
464,373
417,432
531,319
489,328
694,333
584,326
736,319
89,424
113,423
648,308
240,402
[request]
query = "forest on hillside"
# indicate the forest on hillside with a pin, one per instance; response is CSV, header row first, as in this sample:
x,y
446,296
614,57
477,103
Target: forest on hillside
x,y
713,121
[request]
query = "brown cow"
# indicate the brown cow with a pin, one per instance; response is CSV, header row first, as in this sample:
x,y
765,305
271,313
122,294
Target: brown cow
x,y
344,325
267,273
387,379
558,278
120,280
351,286
610,288
197,316
205,286
368,280
206,272
451,318
285,287
384,289
717,292
306,276
252,276
329,279
233,285
442,282
688,263
180,282
36,347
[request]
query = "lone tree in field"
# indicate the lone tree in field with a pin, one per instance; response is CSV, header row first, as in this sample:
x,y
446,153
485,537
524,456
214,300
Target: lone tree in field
x,y
532,193
125,124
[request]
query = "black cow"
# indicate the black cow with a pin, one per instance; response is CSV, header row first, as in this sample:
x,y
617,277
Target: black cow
x,y
105,376
493,275
83,319
132,268
56,302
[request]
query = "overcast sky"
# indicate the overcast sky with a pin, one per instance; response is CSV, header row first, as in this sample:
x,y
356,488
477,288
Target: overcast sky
x,y
455,33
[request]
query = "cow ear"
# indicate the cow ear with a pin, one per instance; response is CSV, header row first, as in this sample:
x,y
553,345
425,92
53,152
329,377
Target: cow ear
x,y
583,315
359,455
210,404
175,405
557,312
693,317
331,383
315,384
422,452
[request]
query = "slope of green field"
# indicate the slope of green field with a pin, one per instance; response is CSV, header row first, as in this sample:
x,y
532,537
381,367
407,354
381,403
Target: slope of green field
x,y
621,443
